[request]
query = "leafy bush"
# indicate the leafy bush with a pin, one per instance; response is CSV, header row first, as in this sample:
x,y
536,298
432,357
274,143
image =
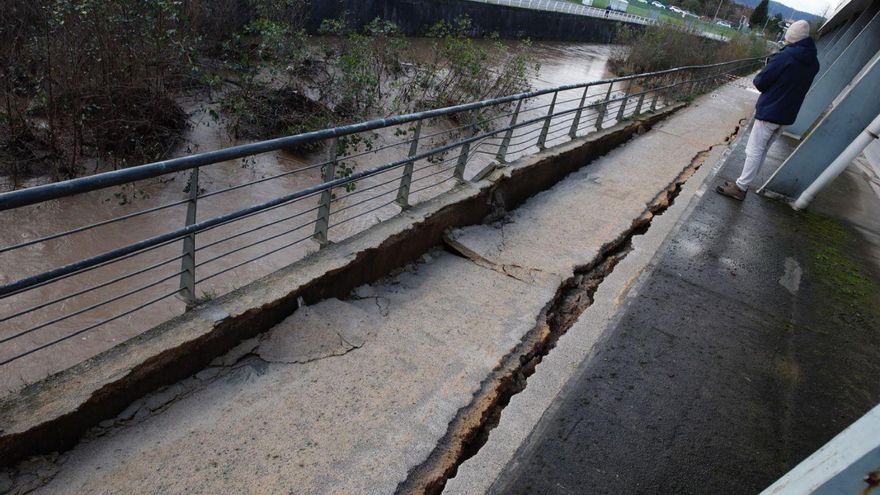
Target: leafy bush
x,y
273,112
76,74
462,71
664,47
98,81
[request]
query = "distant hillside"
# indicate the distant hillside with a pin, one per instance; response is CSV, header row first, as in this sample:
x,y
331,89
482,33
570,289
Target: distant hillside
x,y
776,7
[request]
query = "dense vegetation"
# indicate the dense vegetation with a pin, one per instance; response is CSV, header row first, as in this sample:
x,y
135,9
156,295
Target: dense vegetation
x,y
90,84
665,46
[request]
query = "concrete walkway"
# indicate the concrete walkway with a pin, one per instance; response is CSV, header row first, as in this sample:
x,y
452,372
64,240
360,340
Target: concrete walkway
x,y
351,396
750,342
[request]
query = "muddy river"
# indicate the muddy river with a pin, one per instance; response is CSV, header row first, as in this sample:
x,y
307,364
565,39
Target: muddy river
x,y
272,239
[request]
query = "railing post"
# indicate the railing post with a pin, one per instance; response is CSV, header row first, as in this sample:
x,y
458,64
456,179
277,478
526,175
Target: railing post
x,y
639,104
620,113
656,95
542,139
406,178
328,173
463,156
572,133
675,91
505,143
700,83
690,85
716,78
187,291
600,118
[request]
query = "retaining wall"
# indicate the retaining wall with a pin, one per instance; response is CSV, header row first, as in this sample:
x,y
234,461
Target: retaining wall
x,y
414,17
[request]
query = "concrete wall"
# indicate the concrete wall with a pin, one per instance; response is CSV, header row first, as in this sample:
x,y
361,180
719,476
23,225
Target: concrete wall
x,y
415,16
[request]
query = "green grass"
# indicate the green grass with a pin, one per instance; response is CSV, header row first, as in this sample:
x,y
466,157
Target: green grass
x,y
646,10
831,245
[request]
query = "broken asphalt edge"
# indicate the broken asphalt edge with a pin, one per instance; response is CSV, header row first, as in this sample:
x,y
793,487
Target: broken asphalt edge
x,y
52,414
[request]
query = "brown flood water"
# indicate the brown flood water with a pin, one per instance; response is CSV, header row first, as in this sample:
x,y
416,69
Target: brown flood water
x,y
561,63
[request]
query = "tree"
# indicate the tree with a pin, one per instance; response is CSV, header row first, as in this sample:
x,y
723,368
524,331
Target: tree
x,y
759,16
691,5
774,27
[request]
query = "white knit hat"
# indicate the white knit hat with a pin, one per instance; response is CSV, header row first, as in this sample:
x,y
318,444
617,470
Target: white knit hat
x,y
797,31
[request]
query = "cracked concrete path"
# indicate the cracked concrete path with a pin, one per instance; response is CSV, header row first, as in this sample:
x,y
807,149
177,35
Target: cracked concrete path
x,y
565,227
724,106
375,384
350,396
750,342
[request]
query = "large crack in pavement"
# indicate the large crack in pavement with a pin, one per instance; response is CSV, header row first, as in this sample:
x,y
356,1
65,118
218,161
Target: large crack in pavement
x,y
470,429
253,353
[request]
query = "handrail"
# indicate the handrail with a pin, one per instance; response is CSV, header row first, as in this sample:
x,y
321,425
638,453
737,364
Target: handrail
x,y
574,110
572,8
45,192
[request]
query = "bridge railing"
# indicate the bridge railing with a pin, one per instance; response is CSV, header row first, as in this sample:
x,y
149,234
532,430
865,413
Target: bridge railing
x,y
117,273
572,8
699,28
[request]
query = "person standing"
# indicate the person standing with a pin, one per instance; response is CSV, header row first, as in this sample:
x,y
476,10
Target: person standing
x,y
783,84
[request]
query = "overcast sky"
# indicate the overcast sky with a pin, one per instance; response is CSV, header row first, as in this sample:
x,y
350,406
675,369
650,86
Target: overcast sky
x,y
812,6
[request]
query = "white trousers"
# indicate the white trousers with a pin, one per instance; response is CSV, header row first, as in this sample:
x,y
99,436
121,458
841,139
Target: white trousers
x,y
762,137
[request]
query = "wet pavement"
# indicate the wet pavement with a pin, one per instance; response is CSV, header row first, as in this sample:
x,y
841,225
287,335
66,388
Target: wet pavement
x,y
750,345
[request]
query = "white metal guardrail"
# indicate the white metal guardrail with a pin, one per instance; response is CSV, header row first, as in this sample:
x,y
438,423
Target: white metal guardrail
x,y
575,9
572,8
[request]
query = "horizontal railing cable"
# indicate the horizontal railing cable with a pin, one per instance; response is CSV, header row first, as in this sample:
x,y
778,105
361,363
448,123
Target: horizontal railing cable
x,y
90,289
83,330
90,226
46,192
251,260
89,308
250,231
499,128
252,244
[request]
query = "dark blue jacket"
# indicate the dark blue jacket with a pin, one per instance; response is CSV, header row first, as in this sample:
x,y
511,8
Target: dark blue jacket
x,y
784,82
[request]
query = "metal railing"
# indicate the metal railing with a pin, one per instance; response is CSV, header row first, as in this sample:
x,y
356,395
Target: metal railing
x,y
72,281
566,7
572,8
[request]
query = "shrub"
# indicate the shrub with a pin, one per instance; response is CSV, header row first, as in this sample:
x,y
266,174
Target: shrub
x,y
77,73
664,47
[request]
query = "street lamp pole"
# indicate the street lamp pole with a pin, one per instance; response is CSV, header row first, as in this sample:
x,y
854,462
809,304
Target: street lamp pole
x,y
717,10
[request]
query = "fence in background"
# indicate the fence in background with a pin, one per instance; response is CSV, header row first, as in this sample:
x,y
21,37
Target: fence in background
x,y
573,8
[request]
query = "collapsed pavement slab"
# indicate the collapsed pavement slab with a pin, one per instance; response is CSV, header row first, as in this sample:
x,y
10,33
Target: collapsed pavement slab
x,y
354,407
478,474
341,397
565,228
53,414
